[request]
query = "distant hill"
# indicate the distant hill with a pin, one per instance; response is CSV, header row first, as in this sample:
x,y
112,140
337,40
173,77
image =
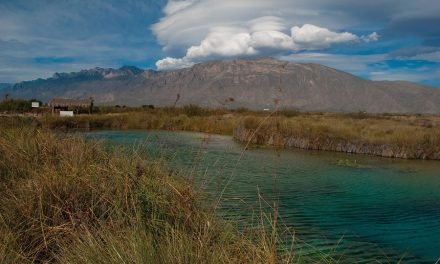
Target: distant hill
x,y
5,85
252,83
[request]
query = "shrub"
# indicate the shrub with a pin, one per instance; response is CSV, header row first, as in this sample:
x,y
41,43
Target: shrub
x,y
16,105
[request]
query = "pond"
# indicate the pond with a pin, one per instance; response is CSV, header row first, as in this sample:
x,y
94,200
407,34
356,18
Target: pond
x,y
368,208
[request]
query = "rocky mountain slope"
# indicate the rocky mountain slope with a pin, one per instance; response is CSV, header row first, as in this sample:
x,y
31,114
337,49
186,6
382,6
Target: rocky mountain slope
x,y
252,83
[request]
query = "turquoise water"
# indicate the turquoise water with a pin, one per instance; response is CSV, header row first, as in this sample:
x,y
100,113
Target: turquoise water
x,y
367,208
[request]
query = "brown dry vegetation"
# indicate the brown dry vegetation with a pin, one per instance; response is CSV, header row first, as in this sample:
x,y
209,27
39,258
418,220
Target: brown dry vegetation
x,y
190,118
408,134
416,132
368,128
67,200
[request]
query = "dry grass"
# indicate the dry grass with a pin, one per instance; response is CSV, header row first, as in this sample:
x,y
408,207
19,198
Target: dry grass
x,y
375,129
65,200
378,128
419,135
152,119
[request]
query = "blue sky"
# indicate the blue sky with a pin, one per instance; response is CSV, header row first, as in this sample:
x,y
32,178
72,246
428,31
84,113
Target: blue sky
x,y
376,39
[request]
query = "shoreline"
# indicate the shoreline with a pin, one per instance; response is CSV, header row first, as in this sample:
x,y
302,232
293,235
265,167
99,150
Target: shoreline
x,y
245,135
390,137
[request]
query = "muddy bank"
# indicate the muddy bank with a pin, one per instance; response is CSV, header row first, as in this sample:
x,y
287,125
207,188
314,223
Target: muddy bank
x,y
420,151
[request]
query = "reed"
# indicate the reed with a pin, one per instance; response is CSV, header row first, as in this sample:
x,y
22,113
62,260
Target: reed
x,y
67,200
403,136
362,126
395,130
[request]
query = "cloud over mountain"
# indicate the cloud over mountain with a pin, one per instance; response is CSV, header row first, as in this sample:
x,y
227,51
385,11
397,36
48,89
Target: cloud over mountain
x,y
39,37
193,31
207,29
262,35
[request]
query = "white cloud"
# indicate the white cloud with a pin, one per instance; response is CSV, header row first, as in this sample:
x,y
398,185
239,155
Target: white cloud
x,y
187,22
173,63
272,39
174,6
371,38
267,23
312,37
223,42
197,30
261,34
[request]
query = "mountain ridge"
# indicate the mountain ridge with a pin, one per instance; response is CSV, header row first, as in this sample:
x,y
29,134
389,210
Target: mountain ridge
x,y
253,83
5,85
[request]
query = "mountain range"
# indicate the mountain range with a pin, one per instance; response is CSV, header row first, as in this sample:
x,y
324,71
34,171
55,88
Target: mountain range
x,y
5,86
262,83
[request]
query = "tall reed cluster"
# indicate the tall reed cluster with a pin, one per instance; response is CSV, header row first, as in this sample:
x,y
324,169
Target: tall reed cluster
x,y
67,200
389,136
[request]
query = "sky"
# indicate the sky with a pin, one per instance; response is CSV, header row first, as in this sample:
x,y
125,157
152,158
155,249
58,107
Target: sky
x,y
375,39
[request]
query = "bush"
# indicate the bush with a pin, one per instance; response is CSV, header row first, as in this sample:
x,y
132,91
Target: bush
x,y
16,105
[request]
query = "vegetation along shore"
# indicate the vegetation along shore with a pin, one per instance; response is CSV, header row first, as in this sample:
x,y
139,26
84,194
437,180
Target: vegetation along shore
x,y
386,135
407,137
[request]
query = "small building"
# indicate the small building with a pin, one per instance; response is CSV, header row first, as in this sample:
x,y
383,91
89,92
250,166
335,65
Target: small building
x,y
63,104
35,104
66,113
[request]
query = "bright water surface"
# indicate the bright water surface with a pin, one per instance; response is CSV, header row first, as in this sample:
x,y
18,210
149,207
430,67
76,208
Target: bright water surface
x,y
367,208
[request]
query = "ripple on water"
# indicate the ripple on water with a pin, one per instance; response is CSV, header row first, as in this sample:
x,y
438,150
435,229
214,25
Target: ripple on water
x,y
362,207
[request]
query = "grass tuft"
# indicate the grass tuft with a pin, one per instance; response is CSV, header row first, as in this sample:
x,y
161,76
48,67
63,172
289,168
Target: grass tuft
x,y
67,200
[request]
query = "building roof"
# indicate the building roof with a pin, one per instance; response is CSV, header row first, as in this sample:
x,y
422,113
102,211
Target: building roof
x,y
63,102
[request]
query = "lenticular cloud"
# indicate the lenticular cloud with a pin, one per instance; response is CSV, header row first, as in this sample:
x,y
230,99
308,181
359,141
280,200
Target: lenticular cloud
x,y
238,28
229,42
